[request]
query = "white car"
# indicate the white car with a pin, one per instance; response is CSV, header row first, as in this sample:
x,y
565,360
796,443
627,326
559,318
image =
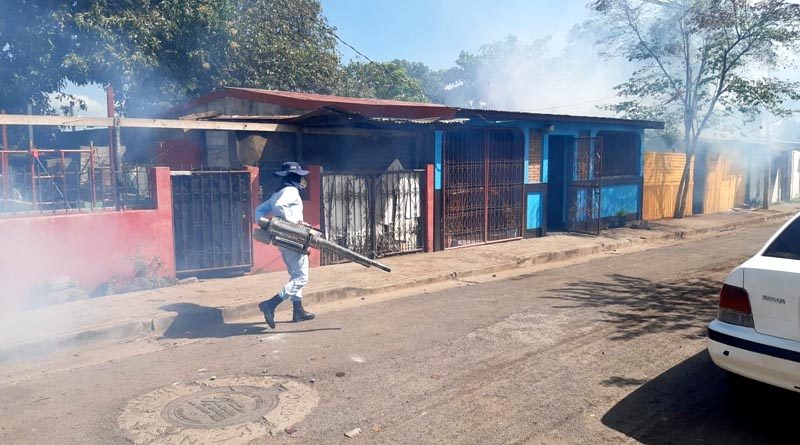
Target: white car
x,y
757,331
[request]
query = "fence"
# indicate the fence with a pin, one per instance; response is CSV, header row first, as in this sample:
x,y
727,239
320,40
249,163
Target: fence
x,y
724,187
64,181
662,176
375,215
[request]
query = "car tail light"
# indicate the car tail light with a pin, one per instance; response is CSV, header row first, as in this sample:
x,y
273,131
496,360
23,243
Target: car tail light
x,y
734,306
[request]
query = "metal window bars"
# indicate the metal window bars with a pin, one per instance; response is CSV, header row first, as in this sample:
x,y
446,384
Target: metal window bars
x,y
375,215
483,179
66,181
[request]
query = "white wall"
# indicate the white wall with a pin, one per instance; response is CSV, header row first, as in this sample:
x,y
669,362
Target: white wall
x,y
794,173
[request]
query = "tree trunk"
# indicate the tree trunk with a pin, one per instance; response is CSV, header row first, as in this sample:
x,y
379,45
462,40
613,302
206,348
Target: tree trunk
x,y
683,188
688,148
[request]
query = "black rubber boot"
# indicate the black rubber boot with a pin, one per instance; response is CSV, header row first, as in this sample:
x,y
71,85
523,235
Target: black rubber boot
x,y
268,308
299,314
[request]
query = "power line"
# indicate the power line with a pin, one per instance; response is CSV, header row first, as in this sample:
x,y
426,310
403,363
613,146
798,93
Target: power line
x,y
328,29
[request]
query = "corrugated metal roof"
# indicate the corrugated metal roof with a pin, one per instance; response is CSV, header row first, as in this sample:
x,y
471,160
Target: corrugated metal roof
x,y
332,116
309,102
490,115
340,100
388,110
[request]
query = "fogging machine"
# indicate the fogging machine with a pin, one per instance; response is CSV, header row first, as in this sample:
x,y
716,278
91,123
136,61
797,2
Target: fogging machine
x,y
300,238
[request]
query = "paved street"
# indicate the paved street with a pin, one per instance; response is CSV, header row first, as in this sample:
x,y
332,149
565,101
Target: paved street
x,y
606,351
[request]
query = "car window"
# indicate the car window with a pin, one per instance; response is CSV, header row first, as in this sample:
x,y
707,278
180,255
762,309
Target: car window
x,y
787,244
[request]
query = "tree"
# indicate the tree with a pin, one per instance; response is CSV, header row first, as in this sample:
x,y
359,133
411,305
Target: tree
x,y
492,75
35,63
699,60
431,81
154,53
160,53
33,55
157,53
386,80
282,45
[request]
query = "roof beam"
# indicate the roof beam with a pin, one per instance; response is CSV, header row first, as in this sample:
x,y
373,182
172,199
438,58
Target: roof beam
x,y
128,122
339,131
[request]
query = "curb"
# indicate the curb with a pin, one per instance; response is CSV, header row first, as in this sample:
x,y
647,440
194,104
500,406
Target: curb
x,y
160,323
251,310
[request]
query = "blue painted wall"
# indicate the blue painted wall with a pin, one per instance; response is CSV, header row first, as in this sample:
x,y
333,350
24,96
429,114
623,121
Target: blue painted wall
x,y
616,198
627,198
533,219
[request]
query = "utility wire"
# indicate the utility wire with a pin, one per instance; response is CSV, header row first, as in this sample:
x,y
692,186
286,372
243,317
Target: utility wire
x,y
328,29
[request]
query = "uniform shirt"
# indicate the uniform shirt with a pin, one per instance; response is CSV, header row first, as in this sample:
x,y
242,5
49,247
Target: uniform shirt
x,y
285,203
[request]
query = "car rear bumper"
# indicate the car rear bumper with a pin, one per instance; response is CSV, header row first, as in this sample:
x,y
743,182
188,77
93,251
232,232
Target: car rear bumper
x,y
757,356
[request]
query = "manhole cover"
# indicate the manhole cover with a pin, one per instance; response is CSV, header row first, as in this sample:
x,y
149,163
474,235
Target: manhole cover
x,y
231,411
221,407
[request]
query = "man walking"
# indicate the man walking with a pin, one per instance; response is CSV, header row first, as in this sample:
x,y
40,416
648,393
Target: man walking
x,y
287,204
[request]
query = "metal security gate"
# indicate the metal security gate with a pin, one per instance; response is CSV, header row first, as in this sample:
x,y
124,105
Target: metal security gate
x,y
211,212
585,190
373,214
483,180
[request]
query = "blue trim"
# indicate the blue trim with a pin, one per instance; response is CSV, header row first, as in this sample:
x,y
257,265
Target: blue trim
x,y
526,141
533,218
641,151
752,346
437,168
561,128
545,156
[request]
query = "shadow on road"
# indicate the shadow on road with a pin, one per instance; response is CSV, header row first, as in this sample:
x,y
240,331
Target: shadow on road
x,y
195,321
696,402
638,306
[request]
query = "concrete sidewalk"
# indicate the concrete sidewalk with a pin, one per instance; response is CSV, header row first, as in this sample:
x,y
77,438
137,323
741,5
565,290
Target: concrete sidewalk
x,y
215,301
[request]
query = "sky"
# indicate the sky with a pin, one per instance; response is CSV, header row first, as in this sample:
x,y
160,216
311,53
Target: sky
x,y
569,78
435,31
428,31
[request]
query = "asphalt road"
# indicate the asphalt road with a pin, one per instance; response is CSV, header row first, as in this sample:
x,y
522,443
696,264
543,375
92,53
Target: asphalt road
x,y
607,351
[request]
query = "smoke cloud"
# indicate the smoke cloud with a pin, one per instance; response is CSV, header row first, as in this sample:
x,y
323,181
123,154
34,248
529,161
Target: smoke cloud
x,y
543,77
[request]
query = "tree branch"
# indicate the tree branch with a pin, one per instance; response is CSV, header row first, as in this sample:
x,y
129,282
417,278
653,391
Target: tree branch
x,y
652,54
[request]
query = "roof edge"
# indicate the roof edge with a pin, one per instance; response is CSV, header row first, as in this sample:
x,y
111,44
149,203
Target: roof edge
x,y
525,115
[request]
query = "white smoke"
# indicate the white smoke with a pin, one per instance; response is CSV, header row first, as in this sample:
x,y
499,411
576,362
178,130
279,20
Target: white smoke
x,y
542,77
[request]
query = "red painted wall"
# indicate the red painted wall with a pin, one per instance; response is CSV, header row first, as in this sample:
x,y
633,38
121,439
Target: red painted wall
x,y
180,154
90,247
267,258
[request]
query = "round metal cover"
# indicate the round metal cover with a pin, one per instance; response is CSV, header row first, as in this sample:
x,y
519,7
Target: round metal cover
x,y
226,410
221,407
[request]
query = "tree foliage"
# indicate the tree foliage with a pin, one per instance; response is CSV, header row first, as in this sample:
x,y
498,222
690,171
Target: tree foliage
x,y
34,44
470,80
156,53
387,80
699,59
282,45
